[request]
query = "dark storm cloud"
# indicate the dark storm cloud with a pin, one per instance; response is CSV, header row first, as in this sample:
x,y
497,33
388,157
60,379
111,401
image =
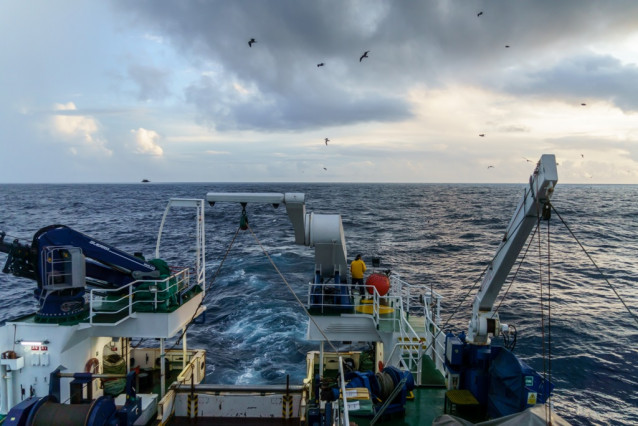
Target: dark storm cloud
x,y
275,84
221,108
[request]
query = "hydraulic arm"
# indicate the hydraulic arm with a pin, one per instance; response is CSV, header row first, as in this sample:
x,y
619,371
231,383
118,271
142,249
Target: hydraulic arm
x,y
63,260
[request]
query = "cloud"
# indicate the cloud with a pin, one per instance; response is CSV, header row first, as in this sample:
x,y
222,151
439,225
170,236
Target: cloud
x,y
235,106
80,131
276,85
152,82
584,77
146,142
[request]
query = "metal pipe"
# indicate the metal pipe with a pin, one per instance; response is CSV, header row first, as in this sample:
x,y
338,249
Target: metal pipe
x,y
321,360
346,415
263,389
9,377
184,349
94,376
4,409
162,369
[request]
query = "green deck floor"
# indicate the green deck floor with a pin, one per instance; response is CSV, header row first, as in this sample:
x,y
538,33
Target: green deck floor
x,y
425,407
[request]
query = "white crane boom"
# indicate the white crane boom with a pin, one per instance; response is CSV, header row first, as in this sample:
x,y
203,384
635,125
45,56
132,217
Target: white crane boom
x,y
535,199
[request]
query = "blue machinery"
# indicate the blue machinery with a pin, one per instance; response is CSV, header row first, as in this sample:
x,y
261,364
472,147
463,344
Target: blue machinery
x,y
62,261
496,377
82,410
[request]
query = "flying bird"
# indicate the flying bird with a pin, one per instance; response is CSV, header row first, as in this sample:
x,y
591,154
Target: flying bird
x,y
325,168
528,160
320,64
507,46
583,104
327,140
490,167
251,41
482,135
480,13
365,55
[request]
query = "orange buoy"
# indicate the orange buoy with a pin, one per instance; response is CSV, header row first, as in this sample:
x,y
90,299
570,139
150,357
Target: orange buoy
x,y
379,281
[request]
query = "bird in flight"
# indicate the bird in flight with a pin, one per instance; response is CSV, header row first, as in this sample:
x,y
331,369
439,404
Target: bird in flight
x,y
480,13
490,167
528,160
327,140
320,64
482,135
583,104
507,46
325,168
251,41
365,55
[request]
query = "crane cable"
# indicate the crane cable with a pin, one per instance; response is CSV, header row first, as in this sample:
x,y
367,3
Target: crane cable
x,y
230,246
456,309
291,290
546,353
549,320
597,268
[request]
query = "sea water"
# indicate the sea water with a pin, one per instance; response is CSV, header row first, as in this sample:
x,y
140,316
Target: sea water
x,y
440,235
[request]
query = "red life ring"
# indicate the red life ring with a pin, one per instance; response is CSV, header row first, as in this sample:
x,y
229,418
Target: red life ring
x,y
380,365
92,366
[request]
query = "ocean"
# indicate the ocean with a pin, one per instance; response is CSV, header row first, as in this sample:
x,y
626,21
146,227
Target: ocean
x,y
442,235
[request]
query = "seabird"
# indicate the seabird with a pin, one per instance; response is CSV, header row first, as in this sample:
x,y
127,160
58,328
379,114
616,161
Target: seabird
x,y
490,167
528,160
583,104
365,55
325,168
507,46
482,135
320,64
251,41
480,13
327,140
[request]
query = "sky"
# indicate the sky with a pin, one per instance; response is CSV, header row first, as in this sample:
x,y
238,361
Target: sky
x,y
456,91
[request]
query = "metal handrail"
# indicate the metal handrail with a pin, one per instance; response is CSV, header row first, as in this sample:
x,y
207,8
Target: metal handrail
x,y
175,283
346,414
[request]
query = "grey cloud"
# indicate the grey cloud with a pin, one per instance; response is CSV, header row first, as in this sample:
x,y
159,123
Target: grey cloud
x,y
583,77
151,82
430,43
222,109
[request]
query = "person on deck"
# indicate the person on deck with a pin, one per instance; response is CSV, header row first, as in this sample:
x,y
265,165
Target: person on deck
x,y
357,269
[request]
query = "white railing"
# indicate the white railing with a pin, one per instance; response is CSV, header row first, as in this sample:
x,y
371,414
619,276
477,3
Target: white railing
x,y
141,295
344,395
63,267
435,339
391,313
195,370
